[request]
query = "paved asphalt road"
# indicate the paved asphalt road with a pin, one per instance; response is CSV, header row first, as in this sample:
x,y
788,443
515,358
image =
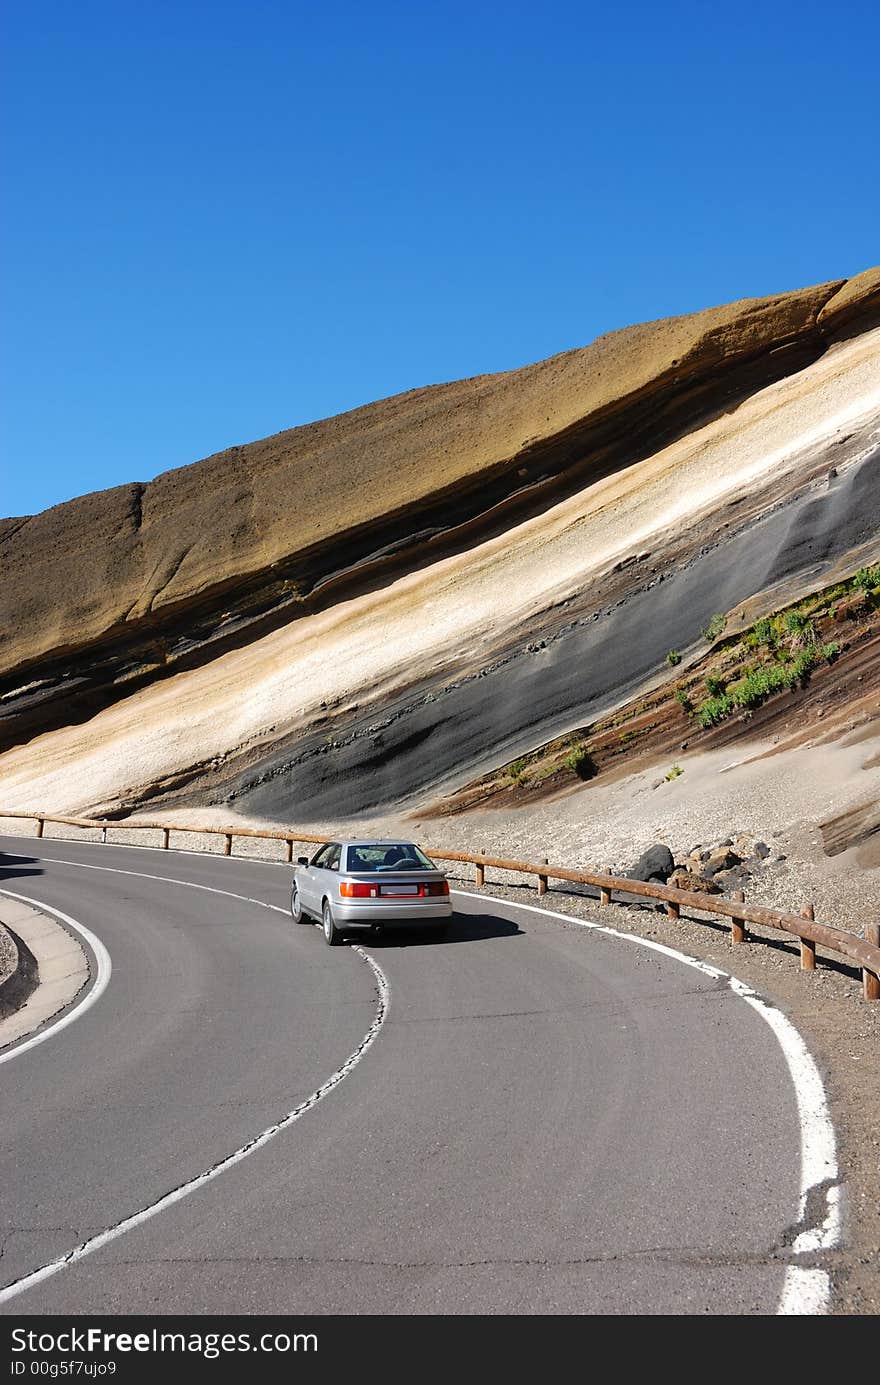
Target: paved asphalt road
x,y
549,1121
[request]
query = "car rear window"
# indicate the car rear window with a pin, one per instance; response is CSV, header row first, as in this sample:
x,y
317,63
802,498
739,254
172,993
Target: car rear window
x,y
391,856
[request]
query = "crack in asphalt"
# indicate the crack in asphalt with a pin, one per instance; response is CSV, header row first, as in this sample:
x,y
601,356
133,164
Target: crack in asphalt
x,y
715,988
13,1231
654,1254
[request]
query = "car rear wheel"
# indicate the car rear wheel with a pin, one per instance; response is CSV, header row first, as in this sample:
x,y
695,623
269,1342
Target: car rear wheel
x,y
332,935
297,912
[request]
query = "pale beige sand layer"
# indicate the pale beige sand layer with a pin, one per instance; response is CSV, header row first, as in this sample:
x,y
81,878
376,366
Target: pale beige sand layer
x,y
369,646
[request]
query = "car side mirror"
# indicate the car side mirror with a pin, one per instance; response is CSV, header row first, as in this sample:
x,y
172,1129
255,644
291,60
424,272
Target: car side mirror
x,y
302,860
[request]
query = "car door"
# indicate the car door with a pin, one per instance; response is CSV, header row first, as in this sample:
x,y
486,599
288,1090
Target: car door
x,y
309,878
324,874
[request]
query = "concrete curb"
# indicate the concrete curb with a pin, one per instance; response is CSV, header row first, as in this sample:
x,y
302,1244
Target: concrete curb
x,y
57,964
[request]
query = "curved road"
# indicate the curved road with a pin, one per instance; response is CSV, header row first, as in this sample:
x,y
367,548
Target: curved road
x,y
550,1120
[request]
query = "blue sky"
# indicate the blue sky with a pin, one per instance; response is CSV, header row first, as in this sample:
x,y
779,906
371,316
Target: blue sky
x,y
223,219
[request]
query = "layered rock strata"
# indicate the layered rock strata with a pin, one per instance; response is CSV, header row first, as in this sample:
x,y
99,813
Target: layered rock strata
x,y
352,613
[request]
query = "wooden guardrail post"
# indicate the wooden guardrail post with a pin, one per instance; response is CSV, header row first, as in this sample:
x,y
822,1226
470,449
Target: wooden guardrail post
x,y
289,856
672,909
103,835
480,871
808,947
542,879
737,931
166,837
227,845
41,823
605,895
870,982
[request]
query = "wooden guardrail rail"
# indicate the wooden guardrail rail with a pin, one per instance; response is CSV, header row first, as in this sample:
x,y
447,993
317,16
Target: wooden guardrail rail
x,y
864,952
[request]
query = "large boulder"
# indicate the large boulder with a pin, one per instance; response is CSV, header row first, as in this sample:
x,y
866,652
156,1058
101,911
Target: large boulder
x,y
655,864
721,859
683,879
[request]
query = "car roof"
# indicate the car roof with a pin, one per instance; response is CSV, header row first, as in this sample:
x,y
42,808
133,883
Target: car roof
x,y
377,841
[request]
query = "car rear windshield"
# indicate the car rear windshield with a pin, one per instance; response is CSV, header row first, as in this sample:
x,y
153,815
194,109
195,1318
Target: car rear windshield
x,y
397,856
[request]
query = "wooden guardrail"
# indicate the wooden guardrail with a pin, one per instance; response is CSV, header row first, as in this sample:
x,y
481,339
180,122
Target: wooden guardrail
x,y
864,952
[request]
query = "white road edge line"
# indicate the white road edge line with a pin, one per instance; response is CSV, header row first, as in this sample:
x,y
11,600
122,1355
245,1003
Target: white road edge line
x,y
103,968
103,1238
804,1291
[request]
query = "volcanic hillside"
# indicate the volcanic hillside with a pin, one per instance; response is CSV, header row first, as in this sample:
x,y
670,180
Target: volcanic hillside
x,y
375,610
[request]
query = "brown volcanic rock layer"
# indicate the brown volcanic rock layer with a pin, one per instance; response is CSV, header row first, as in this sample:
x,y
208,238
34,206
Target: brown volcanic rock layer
x,y
858,296
121,584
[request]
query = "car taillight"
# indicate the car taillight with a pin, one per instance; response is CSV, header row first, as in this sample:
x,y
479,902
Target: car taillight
x,y
354,889
441,888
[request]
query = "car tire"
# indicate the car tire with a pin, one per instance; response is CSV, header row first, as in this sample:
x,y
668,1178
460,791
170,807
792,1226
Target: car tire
x,y
332,935
297,913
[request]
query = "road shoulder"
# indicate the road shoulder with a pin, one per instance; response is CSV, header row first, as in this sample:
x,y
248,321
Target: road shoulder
x,y
62,968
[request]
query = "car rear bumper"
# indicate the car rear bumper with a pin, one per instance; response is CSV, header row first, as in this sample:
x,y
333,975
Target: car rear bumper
x,y
366,913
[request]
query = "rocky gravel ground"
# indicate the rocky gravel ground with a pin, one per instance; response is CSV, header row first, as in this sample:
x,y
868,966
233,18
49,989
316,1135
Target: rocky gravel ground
x,y
8,955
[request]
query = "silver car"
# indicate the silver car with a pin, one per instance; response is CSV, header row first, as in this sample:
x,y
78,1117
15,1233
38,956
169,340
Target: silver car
x,y
368,884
